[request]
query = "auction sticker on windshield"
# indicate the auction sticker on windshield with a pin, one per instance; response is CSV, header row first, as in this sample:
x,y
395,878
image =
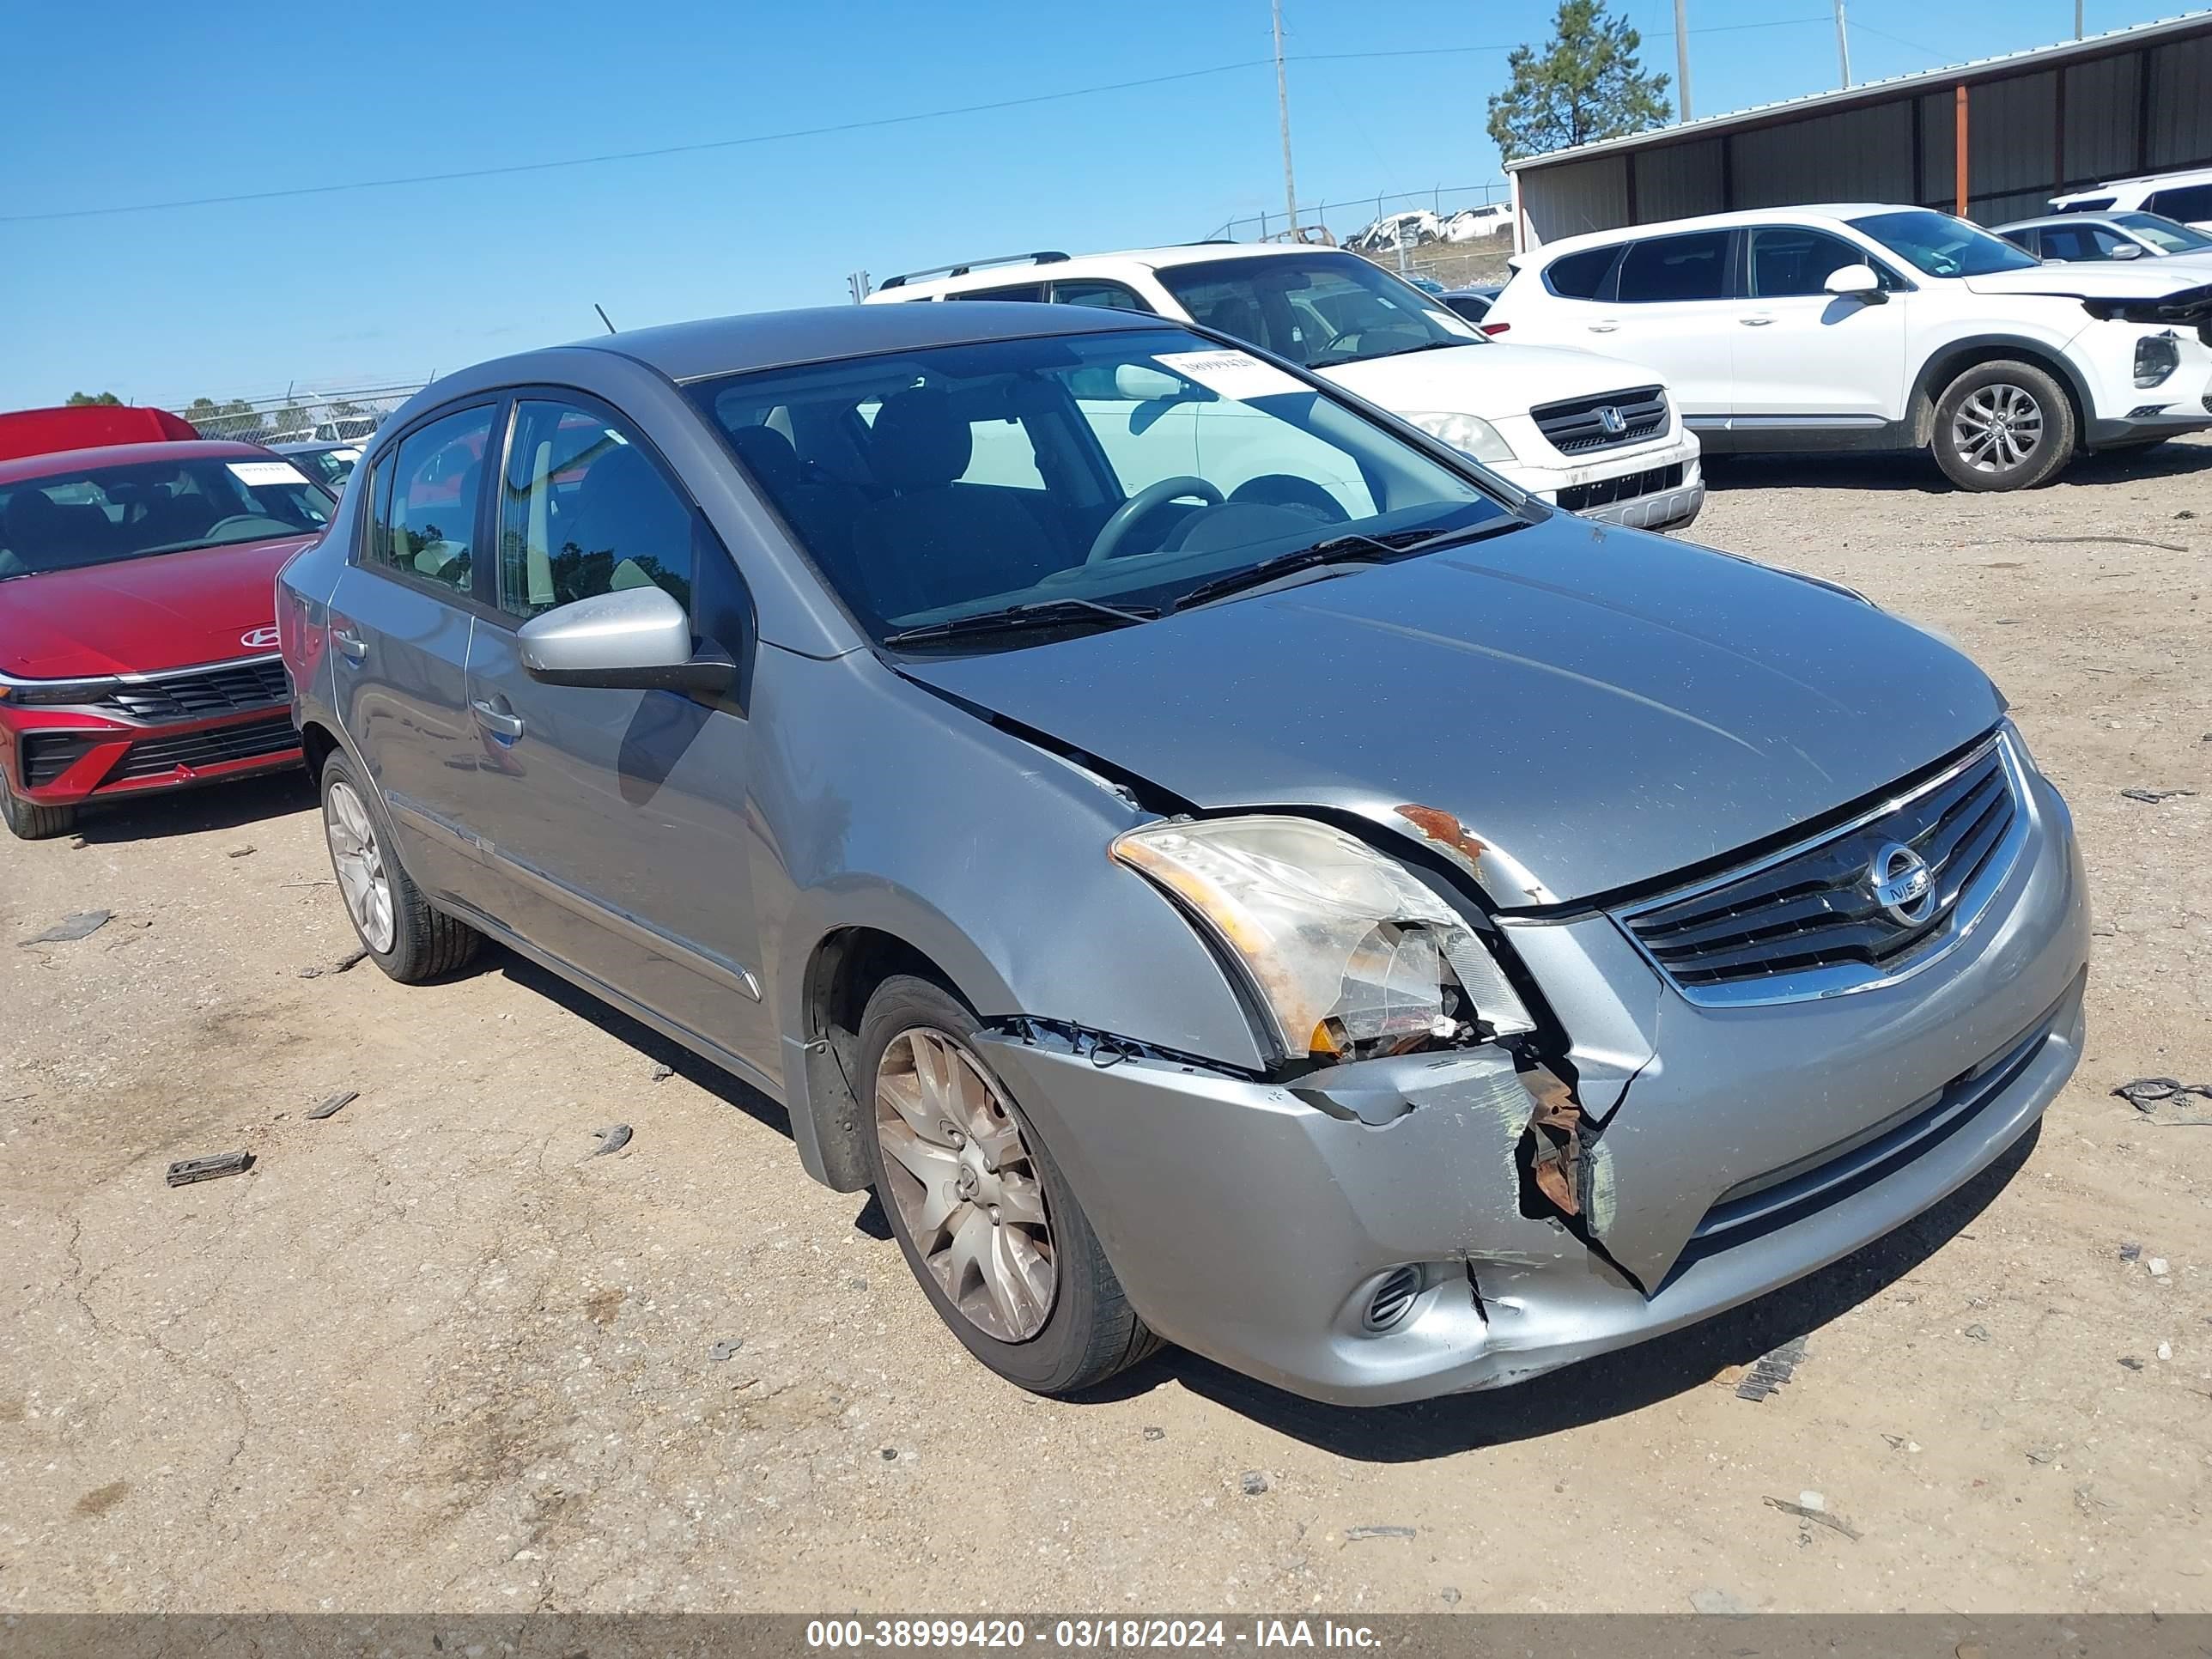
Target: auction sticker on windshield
x,y
1235,374
266,472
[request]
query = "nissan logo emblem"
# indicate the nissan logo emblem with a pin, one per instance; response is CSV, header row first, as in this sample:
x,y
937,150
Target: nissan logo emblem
x,y
1902,885
258,639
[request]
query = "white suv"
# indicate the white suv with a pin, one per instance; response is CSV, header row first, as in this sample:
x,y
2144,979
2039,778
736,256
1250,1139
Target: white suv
x,y
1586,432
2184,196
1880,327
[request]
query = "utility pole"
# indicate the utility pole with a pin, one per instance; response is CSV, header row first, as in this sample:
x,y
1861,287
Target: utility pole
x,y
1682,53
2077,20
1283,108
1843,44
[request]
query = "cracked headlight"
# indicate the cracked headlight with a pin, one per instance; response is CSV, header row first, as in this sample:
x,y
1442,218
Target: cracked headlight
x,y
1348,952
1466,434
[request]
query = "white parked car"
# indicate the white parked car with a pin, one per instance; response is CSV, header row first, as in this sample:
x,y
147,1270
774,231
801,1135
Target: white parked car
x,y
2184,196
1475,223
1881,327
2072,238
1588,433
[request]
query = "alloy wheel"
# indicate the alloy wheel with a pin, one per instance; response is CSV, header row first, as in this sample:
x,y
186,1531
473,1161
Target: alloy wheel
x,y
965,1188
1997,427
358,858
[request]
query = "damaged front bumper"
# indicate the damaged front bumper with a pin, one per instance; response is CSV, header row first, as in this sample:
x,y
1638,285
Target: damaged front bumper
x,y
1710,1155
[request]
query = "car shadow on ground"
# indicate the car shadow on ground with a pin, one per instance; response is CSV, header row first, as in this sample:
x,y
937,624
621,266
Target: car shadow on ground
x,y
1905,471
1611,1385
193,811
665,1051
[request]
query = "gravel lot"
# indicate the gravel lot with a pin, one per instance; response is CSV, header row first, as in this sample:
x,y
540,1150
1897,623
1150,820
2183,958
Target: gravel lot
x,y
430,1353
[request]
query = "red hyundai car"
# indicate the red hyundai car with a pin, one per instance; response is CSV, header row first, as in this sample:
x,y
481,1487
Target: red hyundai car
x,y
138,632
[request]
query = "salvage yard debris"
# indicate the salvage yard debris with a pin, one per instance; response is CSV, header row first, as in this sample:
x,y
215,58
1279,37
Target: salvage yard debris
x,y
612,1139
185,1171
70,928
336,1104
1772,1371
1353,1534
2155,796
2160,1100
1808,1512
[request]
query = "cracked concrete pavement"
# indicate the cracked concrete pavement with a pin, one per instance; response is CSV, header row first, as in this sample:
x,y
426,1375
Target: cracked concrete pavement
x,y
431,1353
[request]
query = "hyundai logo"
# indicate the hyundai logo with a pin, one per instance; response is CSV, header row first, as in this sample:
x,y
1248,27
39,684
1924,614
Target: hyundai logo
x,y
1902,885
258,639
1611,420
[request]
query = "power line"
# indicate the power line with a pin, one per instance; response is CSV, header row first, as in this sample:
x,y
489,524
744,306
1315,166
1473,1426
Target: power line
x,y
631,154
706,146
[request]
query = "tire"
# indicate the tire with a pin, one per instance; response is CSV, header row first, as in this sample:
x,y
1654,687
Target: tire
x,y
2003,426
403,933
27,821
1073,1336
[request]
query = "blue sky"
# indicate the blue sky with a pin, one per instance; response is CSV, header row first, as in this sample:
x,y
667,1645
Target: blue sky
x,y
115,104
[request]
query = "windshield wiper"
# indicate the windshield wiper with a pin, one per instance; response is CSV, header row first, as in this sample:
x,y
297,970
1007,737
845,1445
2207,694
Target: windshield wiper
x,y
1408,351
1035,613
1354,549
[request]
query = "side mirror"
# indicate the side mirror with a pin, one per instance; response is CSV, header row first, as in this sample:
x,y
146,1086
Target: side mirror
x,y
1856,282
634,639
1144,385
2128,250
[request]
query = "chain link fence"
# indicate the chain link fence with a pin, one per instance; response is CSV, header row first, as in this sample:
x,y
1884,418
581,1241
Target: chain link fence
x,y
300,417
1342,221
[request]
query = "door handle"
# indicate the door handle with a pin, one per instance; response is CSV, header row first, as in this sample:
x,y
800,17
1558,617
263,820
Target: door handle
x,y
1603,328
494,719
1755,322
350,644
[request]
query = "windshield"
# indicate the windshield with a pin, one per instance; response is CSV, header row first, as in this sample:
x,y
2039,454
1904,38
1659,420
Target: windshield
x,y
1317,309
2166,235
108,513
1941,246
1120,470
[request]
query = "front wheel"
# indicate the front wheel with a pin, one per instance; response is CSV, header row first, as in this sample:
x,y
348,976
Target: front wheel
x,y
983,1214
27,821
401,931
2003,426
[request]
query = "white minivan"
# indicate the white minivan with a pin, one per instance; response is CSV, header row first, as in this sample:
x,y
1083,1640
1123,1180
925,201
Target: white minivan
x,y
1590,433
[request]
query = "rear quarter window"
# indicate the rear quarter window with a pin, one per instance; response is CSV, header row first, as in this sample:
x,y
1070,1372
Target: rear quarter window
x,y
1580,275
2191,202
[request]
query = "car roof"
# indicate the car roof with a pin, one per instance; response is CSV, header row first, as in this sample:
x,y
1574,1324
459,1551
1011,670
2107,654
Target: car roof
x,y
783,339
75,460
1830,212
1114,263
2140,180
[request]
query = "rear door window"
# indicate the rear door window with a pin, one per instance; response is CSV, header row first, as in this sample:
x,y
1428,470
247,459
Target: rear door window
x,y
426,529
1666,269
1580,275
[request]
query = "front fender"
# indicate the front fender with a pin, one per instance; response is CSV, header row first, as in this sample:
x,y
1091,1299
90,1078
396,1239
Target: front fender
x,y
980,850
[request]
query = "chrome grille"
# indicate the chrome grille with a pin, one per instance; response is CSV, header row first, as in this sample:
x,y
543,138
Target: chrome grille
x,y
1808,922
198,694
1579,424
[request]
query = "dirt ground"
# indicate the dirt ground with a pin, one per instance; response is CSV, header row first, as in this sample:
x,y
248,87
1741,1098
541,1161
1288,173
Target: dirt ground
x,y
430,1353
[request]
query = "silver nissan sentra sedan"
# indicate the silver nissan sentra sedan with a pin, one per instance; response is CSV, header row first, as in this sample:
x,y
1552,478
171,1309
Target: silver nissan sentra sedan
x,y
1223,867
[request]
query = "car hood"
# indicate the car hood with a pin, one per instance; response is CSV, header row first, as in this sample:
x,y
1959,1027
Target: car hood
x,y
2104,279
1489,381
1599,707
171,610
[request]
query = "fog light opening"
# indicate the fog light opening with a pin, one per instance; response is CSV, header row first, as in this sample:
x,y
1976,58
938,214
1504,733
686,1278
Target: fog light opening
x,y
2156,358
1393,1298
